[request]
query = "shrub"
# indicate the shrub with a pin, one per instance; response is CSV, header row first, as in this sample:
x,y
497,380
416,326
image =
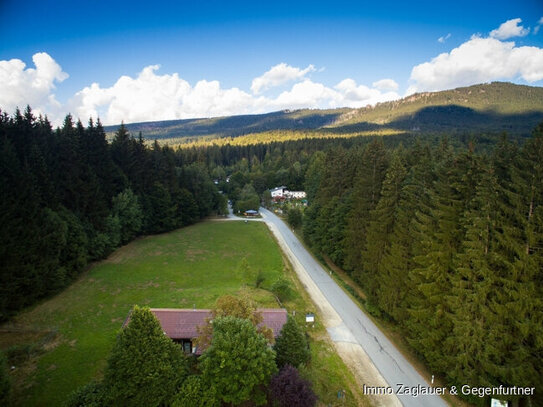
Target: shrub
x,y
89,395
288,389
194,393
281,289
238,363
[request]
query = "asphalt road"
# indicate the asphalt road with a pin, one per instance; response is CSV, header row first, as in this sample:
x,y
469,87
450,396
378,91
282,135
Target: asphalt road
x,y
394,368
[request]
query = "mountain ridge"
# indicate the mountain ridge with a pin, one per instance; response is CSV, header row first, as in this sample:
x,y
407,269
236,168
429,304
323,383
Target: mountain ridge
x,y
490,107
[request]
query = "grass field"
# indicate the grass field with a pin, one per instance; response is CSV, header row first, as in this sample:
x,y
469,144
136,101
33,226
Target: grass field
x,y
64,342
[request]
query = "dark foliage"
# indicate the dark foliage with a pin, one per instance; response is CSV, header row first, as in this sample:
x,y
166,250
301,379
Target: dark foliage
x,y
67,197
288,389
5,381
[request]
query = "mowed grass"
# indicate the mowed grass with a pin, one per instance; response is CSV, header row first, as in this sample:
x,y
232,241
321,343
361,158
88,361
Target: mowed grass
x,y
70,335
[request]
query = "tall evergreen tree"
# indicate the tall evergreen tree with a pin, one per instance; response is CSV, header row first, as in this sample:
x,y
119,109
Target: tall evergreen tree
x,y
145,367
378,234
291,345
366,194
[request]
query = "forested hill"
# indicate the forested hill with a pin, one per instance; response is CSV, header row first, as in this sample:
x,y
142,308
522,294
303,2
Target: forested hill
x,y
486,108
233,126
493,107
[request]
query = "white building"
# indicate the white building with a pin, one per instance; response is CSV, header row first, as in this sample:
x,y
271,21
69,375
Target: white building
x,y
283,193
278,192
295,194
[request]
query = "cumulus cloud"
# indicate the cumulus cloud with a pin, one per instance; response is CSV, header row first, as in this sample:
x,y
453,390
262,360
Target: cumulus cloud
x,y
150,95
475,61
444,38
385,84
353,95
509,29
21,86
279,75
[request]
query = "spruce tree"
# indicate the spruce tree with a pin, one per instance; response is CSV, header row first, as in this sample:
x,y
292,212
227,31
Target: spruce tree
x,y
291,345
365,196
145,368
379,230
442,234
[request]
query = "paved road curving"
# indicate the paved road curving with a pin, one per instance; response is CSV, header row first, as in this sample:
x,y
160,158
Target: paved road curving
x,y
354,326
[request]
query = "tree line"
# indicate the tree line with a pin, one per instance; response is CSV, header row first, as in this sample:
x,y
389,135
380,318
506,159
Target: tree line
x,y
446,244
444,236
69,197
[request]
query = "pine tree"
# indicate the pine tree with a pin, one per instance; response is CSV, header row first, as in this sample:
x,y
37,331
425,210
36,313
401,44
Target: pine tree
x,y
474,288
443,232
380,227
365,196
145,368
291,345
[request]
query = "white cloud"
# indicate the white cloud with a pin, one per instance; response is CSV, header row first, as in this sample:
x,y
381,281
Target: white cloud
x,y
21,86
444,38
385,84
475,61
538,26
151,96
509,29
353,95
279,75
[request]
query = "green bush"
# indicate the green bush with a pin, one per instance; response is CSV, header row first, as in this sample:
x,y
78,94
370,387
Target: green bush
x,y
194,393
89,395
281,289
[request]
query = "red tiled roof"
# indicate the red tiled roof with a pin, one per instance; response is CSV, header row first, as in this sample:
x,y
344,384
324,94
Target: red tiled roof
x,y
273,318
182,323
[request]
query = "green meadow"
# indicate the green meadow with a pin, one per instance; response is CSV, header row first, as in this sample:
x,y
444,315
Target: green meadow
x,y
63,342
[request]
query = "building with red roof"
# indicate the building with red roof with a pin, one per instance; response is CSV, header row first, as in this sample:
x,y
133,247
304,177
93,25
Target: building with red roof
x,y
181,325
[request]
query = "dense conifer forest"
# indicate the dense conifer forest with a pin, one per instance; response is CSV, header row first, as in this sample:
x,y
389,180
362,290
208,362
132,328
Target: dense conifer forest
x,y
443,235
69,197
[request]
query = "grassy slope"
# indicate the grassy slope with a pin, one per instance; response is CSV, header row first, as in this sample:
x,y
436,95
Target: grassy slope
x,y
189,267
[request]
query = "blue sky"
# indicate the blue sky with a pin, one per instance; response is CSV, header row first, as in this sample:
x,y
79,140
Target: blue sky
x,y
167,60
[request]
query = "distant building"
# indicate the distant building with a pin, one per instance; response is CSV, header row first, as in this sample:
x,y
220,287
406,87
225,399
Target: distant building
x,y
295,194
279,192
251,212
181,325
